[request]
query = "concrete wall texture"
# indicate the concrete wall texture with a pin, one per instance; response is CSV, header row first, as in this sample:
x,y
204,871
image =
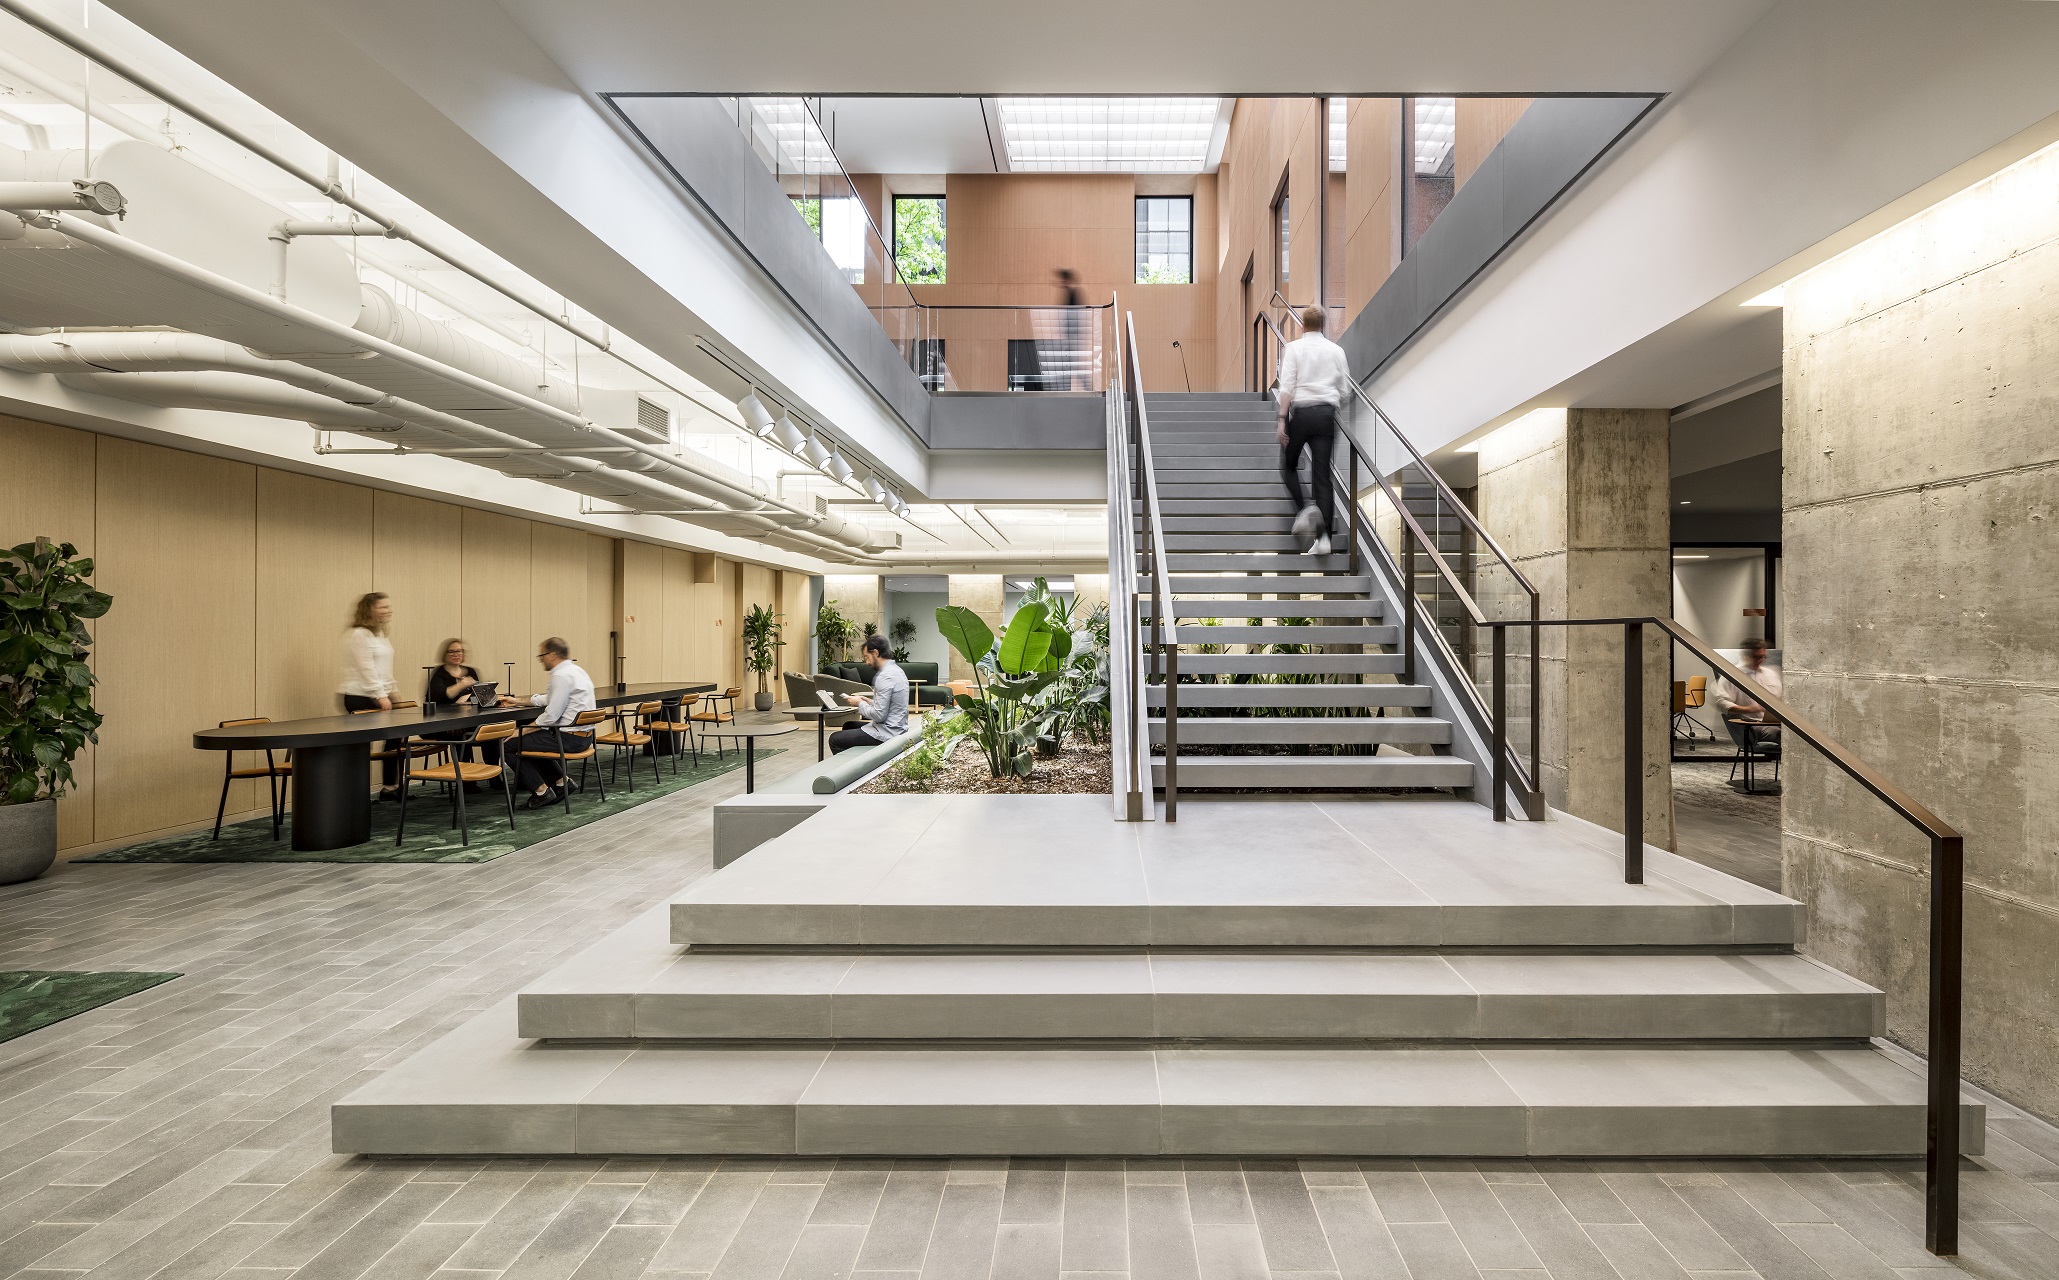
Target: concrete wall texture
x,y
1922,484
981,593
1577,497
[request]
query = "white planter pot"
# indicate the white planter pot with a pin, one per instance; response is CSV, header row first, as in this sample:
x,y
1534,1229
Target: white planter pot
x,y
28,840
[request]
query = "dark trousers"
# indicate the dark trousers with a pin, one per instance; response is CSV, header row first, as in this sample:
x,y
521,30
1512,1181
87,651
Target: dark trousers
x,y
851,737
389,769
537,772
1312,427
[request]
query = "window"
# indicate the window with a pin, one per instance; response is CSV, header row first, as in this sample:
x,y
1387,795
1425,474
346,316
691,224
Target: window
x,y
1025,370
1429,158
919,238
1165,239
1282,230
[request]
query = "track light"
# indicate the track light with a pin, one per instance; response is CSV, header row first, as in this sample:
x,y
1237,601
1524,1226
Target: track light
x,y
757,418
789,434
816,452
875,490
837,469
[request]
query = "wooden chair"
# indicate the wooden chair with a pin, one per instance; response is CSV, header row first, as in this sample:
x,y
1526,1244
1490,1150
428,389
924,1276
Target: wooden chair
x,y
718,716
272,771
1687,699
628,735
581,726
680,729
457,773
415,748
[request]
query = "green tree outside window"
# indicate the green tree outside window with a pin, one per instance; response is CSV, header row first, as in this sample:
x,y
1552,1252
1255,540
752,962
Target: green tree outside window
x,y
919,238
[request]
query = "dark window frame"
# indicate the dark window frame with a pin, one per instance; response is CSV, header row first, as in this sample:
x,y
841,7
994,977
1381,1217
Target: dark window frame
x,y
894,230
1140,231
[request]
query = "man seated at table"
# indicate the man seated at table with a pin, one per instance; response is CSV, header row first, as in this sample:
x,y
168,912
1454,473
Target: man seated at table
x,y
569,692
885,709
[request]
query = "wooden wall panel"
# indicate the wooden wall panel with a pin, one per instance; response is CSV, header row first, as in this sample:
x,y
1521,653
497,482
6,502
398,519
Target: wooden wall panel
x,y
418,561
643,610
1480,126
793,624
46,490
314,559
715,648
681,617
176,545
1372,212
558,598
496,594
602,612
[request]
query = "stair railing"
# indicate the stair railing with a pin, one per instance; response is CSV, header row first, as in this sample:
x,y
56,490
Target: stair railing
x,y
1132,434
1947,886
1516,600
1129,718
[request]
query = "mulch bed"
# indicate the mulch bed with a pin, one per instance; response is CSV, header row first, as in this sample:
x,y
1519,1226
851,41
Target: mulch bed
x,y
1082,768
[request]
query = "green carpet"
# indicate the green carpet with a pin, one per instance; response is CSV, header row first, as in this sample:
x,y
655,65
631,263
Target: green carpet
x,y
431,837
32,998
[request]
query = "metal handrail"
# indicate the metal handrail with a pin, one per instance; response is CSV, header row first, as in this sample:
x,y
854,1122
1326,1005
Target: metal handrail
x,y
1167,648
1128,719
1504,764
1947,889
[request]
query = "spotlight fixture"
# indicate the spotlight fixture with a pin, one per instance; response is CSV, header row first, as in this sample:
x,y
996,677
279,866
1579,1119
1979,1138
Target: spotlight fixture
x,y
875,490
789,434
757,418
837,469
816,452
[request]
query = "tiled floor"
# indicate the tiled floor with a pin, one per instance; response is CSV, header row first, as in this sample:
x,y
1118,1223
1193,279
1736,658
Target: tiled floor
x,y
182,1134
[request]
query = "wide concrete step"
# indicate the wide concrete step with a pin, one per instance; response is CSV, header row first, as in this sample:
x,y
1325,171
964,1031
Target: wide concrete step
x,y
667,993
1288,664
1317,773
1196,606
1255,562
483,1091
1294,730
1310,585
1195,634
1293,695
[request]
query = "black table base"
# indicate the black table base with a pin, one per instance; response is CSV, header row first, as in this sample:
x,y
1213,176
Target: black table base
x,y
332,802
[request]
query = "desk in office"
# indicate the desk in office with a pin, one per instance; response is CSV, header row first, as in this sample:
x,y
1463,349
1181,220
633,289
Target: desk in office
x,y
332,755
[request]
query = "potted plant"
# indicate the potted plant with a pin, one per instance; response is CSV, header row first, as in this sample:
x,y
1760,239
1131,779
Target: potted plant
x,y
903,635
834,632
46,695
761,640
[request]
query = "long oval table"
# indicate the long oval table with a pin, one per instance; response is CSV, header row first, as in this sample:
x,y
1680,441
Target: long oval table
x,y
332,755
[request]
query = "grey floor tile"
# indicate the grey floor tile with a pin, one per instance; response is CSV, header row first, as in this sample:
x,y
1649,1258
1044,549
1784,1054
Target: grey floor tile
x,y
1587,1197
1491,1237
961,1244
1229,1251
768,1234
1218,1196
849,1197
495,1246
1433,1251
1096,1222
1402,1195
1551,1232
1287,1223
710,1223
1360,1241
1161,1243
1756,1240
1027,1251
1693,1242
1635,1252
899,1234
421,1252
825,1251
1833,1249
1034,1193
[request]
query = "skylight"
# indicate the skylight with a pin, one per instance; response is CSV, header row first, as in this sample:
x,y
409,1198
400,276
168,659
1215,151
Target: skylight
x,y
1108,135
1436,131
1337,134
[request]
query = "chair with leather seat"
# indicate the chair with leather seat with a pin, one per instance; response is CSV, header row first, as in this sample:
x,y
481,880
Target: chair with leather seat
x,y
582,727
417,748
680,729
718,716
276,773
1688,697
629,735
1751,751
457,771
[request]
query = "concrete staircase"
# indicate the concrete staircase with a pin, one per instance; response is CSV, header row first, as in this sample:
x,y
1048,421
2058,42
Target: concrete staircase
x,y
1019,975
1331,718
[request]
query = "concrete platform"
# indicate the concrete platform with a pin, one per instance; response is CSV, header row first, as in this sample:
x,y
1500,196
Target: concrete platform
x,y
482,1091
1053,871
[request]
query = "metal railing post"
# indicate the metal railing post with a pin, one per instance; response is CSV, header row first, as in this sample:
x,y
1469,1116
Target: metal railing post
x,y
1172,734
1534,809
1408,606
1633,753
1353,450
1501,737
1941,1123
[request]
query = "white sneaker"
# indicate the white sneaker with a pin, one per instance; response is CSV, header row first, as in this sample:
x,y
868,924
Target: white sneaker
x,y
1320,547
1308,525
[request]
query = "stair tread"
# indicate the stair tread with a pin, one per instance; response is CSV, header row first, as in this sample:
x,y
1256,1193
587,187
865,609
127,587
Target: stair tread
x,y
1327,773
1192,634
1290,730
1293,695
479,1090
1195,664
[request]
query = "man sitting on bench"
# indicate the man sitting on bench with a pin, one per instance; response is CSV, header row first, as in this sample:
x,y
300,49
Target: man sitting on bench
x,y
885,709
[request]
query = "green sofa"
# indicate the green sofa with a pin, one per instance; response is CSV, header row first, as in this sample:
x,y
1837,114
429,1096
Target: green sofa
x,y
932,693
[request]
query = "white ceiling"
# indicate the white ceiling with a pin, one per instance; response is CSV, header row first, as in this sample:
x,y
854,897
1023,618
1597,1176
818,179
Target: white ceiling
x,y
911,135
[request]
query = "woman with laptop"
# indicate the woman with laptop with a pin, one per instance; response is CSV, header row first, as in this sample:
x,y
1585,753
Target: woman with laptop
x,y
451,684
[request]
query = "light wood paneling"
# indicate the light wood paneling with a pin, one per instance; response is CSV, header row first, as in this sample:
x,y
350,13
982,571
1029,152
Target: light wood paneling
x,y
46,490
793,626
418,561
1480,126
177,548
1372,212
602,610
643,610
314,559
496,598
678,608
559,601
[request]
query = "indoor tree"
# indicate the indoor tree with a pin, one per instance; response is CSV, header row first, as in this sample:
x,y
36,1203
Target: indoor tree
x,y
46,694
761,642
834,632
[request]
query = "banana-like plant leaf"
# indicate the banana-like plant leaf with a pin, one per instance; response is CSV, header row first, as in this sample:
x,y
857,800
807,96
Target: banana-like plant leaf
x,y
1016,690
966,630
1028,621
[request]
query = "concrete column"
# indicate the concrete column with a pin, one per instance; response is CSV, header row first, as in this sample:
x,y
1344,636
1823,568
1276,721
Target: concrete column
x,y
981,593
1921,494
1089,590
1578,497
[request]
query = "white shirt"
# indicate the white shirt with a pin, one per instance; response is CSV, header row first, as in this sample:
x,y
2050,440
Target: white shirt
x,y
368,664
1730,695
570,692
1313,370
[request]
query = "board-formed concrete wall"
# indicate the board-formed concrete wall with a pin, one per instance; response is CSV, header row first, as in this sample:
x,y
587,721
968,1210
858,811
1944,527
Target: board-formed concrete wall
x,y
1577,497
1921,605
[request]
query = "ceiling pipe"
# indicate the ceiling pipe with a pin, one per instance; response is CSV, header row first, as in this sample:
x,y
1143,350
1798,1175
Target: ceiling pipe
x,y
87,197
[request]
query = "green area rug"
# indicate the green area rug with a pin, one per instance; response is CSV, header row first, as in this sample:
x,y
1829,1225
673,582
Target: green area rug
x,y
32,998
431,837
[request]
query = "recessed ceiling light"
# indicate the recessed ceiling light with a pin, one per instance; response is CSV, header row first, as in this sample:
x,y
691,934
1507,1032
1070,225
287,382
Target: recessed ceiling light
x,y
1687,502
1690,557
1108,135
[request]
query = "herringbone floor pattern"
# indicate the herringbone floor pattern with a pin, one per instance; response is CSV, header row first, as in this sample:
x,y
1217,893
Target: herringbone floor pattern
x,y
182,1134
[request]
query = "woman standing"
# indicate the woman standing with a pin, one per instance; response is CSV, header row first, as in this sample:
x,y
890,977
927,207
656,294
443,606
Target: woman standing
x,y
368,672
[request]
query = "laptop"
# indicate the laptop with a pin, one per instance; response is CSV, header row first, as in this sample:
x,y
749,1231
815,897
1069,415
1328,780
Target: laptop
x,y
484,694
829,700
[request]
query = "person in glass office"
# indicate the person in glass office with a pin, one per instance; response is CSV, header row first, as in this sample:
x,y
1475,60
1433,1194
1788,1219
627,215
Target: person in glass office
x,y
368,672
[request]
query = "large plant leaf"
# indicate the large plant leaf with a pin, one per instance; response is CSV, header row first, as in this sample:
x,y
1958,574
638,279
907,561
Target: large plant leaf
x,y
1027,624
966,631
1017,690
